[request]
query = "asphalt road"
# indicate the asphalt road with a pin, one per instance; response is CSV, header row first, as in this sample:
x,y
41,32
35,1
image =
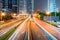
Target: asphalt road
x,y
31,31
20,32
6,27
51,29
36,32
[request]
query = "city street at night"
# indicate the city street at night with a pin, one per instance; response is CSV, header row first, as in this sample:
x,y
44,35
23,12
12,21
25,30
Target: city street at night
x,y
29,20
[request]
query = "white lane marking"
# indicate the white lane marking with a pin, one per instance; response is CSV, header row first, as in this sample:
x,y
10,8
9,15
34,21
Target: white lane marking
x,y
10,28
28,33
45,30
14,35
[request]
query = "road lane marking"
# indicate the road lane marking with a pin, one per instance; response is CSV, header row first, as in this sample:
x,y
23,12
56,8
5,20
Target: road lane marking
x,y
18,30
10,28
52,37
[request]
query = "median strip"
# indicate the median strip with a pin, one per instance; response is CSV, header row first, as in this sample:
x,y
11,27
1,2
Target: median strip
x,y
9,33
18,30
5,36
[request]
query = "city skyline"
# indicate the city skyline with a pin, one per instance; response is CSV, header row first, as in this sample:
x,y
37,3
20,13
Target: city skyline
x,y
29,20
39,5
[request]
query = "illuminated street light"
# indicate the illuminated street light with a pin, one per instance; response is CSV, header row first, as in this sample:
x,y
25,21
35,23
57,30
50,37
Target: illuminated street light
x,y
14,14
2,14
48,13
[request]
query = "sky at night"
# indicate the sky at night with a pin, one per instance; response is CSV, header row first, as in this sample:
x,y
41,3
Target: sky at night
x,y
43,5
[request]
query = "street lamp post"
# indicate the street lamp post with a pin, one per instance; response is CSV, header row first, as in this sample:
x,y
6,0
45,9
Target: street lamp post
x,y
14,15
2,14
48,14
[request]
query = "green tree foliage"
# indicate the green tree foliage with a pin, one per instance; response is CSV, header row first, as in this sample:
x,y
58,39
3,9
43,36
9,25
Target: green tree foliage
x,y
41,15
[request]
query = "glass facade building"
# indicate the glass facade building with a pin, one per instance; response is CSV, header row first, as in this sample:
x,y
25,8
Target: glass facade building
x,y
30,6
27,6
20,6
14,5
52,5
9,5
5,5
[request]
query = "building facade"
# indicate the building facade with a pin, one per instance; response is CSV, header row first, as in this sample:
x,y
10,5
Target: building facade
x,y
0,5
26,6
14,6
52,5
30,6
4,5
18,6
9,5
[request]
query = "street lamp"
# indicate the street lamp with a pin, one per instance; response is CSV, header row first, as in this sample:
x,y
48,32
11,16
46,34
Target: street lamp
x,y
2,14
14,14
48,13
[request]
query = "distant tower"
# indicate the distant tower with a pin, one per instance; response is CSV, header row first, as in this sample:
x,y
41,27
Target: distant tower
x,y
0,5
26,6
30,6
52,5
14,6
20,5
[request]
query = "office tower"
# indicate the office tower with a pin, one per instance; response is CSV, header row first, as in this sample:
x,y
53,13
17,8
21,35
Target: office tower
x,y
10,5
14,5
26,6
0,5
30,6
20,6
4,5
52,5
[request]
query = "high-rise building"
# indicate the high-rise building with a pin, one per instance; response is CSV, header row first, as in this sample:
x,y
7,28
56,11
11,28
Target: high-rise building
x,y
26,6
0,5
5,5
52,5
9,5
20,6
14,6
30,6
